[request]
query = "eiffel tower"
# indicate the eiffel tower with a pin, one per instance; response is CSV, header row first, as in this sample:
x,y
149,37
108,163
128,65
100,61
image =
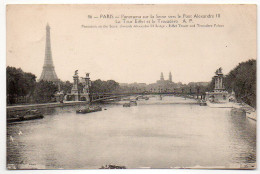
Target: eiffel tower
x,y
48,72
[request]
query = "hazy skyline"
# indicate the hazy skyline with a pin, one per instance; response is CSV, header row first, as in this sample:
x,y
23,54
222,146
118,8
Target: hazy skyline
x,y
129,55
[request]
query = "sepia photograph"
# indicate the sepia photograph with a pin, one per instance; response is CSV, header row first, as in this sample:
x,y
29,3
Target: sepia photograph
x,y
165,86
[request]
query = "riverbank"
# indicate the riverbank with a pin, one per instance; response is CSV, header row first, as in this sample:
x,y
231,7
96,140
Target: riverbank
x,y
43,105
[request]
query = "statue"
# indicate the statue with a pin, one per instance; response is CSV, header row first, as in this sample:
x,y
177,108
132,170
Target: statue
x,y
220,70
216,72
76,72
87,75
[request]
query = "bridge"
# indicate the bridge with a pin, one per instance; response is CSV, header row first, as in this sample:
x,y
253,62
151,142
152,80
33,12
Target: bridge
x,y
96,97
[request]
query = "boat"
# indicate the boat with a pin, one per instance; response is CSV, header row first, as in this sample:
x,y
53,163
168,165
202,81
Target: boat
x,y
89,110
125,99
131,103
238,112
111,166
29,115
142,97
220,104
203,103
126,105
251,115
108,101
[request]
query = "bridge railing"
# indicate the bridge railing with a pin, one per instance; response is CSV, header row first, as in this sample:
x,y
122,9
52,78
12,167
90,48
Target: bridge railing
x,y
105,96
131,93
100,96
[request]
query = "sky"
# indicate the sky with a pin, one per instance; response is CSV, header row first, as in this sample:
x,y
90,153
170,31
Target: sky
x,y
130,55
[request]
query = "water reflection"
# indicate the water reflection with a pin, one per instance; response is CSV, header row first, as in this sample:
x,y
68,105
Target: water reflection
x,y
156,133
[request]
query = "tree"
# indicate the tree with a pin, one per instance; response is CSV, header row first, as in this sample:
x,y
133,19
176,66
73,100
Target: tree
x,y
44,91
242,79
19,84
112,85
211,86
66,87
99,86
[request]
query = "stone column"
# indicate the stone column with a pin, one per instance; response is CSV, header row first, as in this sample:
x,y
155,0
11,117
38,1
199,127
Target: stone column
x,y
216,82
221,82
87,84
75,90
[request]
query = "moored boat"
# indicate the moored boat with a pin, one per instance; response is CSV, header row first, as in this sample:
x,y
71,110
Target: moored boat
x,y
126,105
202,102
220,104
238,112
131,103
29,115
252,115
141,97
89,110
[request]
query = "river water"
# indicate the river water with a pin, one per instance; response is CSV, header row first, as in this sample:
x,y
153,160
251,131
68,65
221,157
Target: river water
x,y
167,133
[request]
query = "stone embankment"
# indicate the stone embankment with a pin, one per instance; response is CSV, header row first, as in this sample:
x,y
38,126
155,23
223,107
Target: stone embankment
x,y
44,105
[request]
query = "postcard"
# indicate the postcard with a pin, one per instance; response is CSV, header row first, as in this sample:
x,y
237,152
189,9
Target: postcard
x,y
131,86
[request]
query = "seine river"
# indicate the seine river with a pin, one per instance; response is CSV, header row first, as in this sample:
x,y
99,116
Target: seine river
x,y
154,134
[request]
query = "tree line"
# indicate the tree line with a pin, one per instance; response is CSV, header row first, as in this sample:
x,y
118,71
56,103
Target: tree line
x,y
22,87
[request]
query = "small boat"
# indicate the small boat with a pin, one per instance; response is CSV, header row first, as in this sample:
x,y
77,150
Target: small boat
x,y
202,102
220,104
89,110
131,103
251,115
126,105
111,166
142,97
238,112
125,99
29,115
108,101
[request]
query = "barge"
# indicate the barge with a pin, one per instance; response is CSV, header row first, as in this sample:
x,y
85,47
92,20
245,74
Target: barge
x,y
131,103
29,115
89,110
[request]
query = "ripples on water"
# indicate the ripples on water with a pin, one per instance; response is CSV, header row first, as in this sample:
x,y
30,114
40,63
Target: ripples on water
x,y
155,134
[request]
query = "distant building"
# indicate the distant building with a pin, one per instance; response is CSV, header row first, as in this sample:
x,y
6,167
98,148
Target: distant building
x,y
163,85
162,78
170,77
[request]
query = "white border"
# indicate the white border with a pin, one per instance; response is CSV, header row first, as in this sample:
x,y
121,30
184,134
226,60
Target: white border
x,y
139,171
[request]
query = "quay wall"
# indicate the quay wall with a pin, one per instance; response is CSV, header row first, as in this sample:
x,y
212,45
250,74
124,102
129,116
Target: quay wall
x,y
45,105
